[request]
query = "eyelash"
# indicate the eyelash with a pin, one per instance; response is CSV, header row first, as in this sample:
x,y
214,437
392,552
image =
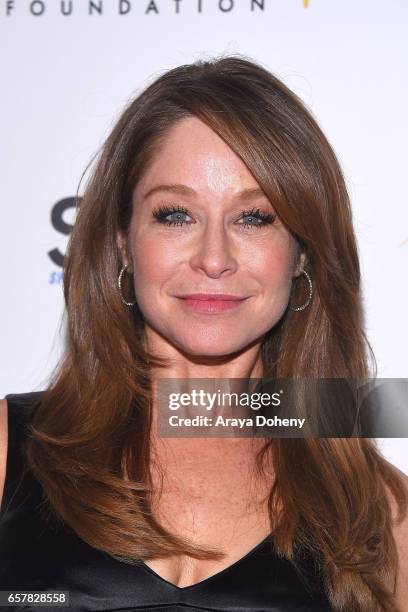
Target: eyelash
x,y
162,212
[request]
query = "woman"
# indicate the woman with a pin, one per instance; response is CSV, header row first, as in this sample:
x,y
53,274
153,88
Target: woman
x,y
215,180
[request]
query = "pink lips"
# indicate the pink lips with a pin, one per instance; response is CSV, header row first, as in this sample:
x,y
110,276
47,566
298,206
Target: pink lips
x,y
211,302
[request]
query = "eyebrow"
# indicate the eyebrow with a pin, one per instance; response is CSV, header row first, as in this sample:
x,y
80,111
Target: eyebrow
x,y
180,189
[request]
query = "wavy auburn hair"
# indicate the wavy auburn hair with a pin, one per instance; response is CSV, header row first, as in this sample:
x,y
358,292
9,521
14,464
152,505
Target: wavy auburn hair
x,y
89,444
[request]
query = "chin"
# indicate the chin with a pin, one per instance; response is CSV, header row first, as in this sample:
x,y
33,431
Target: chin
x,y
210,348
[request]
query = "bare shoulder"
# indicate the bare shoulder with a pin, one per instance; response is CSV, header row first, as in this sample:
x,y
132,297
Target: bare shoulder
x,y
400,531
3,444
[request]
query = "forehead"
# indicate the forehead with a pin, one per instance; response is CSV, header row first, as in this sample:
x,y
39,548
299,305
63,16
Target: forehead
x,y
192,153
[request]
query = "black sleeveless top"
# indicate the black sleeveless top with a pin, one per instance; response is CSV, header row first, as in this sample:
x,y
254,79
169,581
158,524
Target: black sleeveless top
x,y
39,555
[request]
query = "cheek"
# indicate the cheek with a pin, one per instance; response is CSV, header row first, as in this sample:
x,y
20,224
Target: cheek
x,y
273,267
153,261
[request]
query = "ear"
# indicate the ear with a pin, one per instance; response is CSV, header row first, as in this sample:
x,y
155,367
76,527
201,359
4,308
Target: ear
x,y
122,246
300,263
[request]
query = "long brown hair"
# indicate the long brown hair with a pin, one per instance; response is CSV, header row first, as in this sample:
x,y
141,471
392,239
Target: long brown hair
x,y
89,444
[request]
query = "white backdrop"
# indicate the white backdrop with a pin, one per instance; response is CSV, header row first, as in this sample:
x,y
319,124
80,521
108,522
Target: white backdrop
x,y
66,77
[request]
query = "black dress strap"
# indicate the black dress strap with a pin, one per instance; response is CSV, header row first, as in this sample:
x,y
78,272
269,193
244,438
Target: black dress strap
x,y
20,407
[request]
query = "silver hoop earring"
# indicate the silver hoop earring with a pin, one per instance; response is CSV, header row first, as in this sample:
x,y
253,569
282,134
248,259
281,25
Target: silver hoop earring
x,y
120,287
309,298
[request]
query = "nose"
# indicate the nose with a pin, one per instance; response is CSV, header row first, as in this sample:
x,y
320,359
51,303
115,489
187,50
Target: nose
x,y
213,252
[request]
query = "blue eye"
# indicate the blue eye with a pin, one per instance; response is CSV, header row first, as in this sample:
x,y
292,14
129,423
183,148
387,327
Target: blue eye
x,y
165,211
260,217
162,212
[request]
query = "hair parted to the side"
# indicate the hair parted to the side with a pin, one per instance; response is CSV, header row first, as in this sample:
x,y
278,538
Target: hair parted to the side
x,y
89,443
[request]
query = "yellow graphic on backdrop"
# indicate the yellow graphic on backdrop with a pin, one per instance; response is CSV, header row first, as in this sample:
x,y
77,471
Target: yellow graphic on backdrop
x,y
305,3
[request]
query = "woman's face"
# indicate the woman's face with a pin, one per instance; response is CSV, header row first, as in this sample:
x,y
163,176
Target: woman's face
x,y
207,246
